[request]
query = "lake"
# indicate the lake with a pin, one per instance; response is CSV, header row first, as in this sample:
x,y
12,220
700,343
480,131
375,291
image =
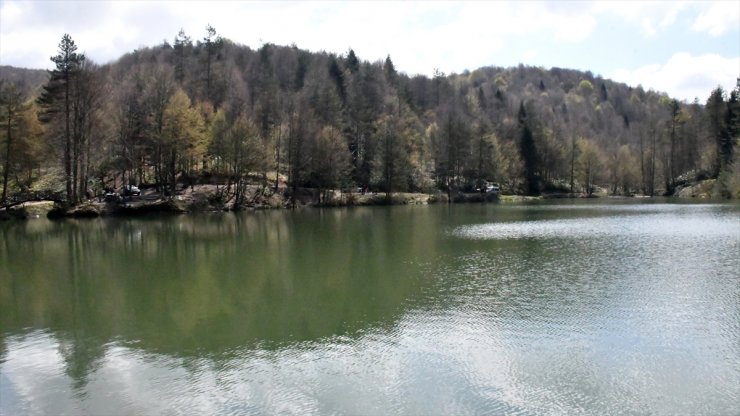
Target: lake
x,y
574,307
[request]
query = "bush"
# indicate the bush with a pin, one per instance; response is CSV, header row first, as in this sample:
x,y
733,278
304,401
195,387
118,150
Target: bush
x,y
728,184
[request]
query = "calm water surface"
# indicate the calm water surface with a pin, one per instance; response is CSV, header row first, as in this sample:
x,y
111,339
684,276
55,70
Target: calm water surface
x,y
560,308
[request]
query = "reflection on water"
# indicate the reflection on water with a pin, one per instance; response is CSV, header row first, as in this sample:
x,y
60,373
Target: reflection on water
x,y
548,308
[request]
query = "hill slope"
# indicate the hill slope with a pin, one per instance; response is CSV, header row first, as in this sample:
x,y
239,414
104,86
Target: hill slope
x,y
30,81
216,109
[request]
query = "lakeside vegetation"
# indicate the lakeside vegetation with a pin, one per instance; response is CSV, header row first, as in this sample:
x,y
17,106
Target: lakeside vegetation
x,y
279,126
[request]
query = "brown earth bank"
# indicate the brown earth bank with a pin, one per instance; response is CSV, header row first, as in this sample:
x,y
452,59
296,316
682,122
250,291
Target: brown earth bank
x,y
204,198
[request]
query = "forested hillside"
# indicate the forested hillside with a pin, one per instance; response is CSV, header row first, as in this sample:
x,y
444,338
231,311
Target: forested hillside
x,y
28,81
212,111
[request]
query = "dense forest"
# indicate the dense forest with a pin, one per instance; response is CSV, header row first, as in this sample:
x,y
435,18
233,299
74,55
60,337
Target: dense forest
x,y
213,111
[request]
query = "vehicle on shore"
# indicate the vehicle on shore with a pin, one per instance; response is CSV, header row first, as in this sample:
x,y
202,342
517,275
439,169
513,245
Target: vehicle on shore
x,y
130,190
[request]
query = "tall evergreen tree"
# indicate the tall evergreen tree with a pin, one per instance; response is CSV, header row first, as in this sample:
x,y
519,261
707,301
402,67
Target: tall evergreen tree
x,y
212,43
675,109
336,74
528,151
353,64
56,100
732,123
181,46
718,116
604,93
390,71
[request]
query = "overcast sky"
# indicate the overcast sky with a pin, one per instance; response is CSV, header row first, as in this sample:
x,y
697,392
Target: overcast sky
x,y
683,48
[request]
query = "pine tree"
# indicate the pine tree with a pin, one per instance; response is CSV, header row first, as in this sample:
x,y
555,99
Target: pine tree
x,y
604,94
717,113
56,100
212,43
353,64
337,76
732,123
528,151
390,71
674,108
182,44
482,100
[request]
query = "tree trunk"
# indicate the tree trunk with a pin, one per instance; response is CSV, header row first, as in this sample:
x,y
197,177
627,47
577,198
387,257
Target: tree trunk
x,y
67,144
76,149
572,162
6,167
480,164
172,172
388,165
671,170
277,157
642,164
208,73
652,162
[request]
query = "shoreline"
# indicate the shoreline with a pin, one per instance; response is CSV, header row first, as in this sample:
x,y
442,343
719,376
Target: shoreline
x,y
203,198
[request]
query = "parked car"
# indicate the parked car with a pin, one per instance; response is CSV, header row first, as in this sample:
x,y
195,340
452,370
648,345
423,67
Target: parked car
x,y
131,190
493,188
110,196
489,187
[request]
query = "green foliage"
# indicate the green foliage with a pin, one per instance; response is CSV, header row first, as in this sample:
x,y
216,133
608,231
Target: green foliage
x,y
528,151
65,110
183,129
353,64
182,46
337,76
604,94
21,147
330,160
622,168
590,162
727,185
390,71
585,87
722,119
216,108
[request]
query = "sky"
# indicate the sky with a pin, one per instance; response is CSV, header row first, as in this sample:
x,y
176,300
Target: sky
x,y
683,48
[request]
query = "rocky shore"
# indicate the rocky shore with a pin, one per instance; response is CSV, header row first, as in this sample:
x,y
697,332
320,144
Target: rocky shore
x,y
204,198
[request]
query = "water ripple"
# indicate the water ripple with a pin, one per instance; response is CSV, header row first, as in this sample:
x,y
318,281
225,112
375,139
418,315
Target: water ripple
x,y
621,310
576,228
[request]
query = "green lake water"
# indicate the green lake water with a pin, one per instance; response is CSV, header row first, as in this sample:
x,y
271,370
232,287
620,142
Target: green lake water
x,y
575,307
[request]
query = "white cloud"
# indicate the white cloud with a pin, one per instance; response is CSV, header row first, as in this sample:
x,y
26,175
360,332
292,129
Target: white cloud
x,y
643,13
575,28
30,33
718,19
670,16
529,55
648,28
684,76
420,36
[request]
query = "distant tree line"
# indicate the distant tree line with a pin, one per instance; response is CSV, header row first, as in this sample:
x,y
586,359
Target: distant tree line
x,y
214,111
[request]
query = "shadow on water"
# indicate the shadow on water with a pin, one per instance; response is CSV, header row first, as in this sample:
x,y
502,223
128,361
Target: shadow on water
x,y
207,285
566,307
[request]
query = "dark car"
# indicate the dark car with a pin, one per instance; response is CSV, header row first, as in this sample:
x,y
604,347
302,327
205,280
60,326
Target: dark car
x,y
110,196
